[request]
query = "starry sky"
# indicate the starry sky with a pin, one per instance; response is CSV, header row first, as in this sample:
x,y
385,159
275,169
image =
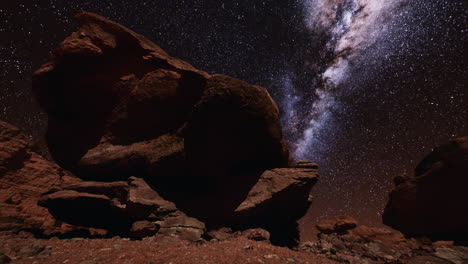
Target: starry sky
x,y
366,88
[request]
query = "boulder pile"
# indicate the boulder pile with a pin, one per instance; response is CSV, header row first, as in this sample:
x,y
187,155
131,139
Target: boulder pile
x,y
345,241
154,147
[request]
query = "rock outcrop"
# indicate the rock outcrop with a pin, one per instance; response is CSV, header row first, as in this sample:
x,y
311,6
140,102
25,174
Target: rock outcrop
x,y
129,208
119,106
345,241
433,203
24,176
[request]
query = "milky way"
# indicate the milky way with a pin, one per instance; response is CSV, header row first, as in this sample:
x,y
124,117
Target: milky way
x,y
366,88
352,27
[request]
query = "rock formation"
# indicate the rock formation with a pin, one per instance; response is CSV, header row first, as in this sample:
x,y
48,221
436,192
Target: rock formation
x,y
24,176
433,202
118,106
129,208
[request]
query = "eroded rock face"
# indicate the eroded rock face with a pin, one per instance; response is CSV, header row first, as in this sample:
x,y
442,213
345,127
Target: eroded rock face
x,y
24,176
131,109
433,202
129,208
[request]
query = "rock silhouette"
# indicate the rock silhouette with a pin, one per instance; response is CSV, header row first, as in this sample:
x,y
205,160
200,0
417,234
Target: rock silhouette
x,y
119,106
433,202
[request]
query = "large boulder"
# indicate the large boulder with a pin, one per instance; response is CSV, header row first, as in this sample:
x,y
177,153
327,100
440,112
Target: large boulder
x,y
118,105
24,176
434,202
276,201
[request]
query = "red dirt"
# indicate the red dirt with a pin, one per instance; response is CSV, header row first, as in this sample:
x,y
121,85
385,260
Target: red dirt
x,y
119,250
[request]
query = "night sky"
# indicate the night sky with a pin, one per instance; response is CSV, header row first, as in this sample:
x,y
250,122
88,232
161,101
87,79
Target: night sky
x,y
366,88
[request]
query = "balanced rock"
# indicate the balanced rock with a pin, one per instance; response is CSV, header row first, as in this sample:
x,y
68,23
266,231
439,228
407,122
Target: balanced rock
x,y
284,189
433,203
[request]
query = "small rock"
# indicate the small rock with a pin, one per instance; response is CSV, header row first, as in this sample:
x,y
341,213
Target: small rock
x,y
307,245
182,233
32,250
326,246
306,164
443,243
338,243
117,246
257,234
142,229
220,234
340,225
248,247
271,256
451,255
24,234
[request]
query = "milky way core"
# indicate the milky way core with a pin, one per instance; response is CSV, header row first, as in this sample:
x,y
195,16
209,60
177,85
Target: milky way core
x,y
352,27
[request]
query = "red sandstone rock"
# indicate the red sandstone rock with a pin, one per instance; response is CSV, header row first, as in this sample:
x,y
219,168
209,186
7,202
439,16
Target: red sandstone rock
x,y
118,106
285,189
257,234
142,229
86,209
129,208
24,176
345,241
340,225
433,203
